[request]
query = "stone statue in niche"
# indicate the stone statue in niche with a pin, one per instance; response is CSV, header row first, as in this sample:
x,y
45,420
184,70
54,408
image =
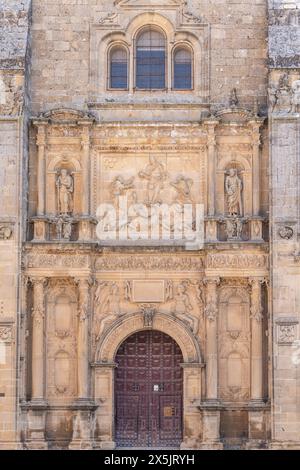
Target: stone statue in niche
x,y
182,307
107,299
183,188
65,191
295,96
156,175
233,191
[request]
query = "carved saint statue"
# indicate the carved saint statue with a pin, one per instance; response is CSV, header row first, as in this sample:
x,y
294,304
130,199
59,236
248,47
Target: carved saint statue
x,y
156,175
233,189
65,190
182,307
108,298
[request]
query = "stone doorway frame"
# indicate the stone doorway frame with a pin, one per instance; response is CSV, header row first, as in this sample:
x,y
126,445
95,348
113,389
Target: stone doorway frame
x,y
103,377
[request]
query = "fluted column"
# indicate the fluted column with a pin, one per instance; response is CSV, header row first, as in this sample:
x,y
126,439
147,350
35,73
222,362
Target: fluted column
x,y
83,338
38,316
211,165
85,143
41,171
256,339
211,313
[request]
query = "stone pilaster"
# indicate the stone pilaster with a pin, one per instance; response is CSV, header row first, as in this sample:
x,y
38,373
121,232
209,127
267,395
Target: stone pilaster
x,y
83,338
256,143
38,360
211,165
41,169
211,313
256,340
85,144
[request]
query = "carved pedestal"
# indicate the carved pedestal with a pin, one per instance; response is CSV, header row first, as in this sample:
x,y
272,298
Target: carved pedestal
x,y
256,226
40,226
103,398
211,230
211,429
36,424
83,428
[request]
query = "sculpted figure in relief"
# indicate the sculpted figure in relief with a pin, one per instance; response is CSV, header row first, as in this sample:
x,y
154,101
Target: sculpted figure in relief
x,y
182,307
233,190
183,188
295,96
156,175
108,299
65,190
121,187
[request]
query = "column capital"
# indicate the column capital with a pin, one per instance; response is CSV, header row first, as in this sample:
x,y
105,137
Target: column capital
x,y
37,281
253,280
212,280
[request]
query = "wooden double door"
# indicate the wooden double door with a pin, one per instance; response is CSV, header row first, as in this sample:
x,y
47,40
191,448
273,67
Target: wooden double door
x,y
149,392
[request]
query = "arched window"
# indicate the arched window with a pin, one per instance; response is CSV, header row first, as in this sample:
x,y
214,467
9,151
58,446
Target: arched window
x,y
151,59
118,68
182,69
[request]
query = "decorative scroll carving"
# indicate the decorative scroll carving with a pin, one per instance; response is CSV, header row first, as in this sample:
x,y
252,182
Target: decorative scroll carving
x,y
287,331
38,311
109,19
6,334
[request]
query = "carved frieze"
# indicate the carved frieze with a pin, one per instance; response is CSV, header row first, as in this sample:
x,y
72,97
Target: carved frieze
x,y
151,263
52,260
287,331
242,261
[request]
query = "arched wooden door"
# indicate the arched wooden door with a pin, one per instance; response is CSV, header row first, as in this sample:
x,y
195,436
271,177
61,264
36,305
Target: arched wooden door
x,y
148,392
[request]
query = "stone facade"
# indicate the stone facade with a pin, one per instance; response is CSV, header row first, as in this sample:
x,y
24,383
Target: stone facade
x,y
67,301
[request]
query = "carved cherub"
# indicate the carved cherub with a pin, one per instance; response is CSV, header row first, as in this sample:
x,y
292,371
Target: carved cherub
x,y
182,307
108,310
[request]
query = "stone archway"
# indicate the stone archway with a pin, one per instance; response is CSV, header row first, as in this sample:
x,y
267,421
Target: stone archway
x,y
104,375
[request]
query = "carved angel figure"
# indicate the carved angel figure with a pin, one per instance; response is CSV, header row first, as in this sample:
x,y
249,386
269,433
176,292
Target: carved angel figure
x,y
65,190
233,189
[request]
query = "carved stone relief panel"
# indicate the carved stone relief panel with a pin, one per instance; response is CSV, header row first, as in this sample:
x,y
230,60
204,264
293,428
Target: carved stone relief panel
x,y
234,342
61,308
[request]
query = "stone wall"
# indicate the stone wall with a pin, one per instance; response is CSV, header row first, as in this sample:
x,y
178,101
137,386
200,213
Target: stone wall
x,y
14,22
284,58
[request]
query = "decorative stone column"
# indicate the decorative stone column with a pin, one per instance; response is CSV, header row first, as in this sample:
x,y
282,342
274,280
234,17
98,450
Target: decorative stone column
x,y
41,171
83,338
38,316
36,409
211,313
85,143
211,164
83,416
256,340
256,143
